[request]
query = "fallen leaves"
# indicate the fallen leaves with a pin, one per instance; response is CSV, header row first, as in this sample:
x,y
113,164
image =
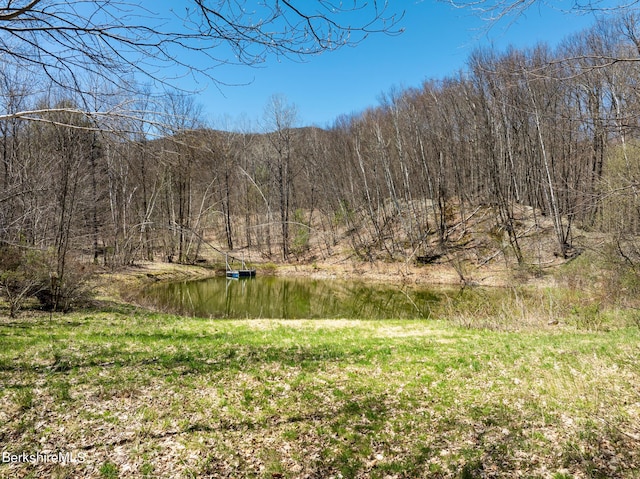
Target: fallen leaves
x,y
369,400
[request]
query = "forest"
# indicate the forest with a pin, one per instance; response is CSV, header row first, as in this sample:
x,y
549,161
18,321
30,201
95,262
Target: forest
x,y
551,134
523,169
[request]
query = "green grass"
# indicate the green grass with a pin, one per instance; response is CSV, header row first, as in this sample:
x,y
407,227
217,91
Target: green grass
x,y
149,395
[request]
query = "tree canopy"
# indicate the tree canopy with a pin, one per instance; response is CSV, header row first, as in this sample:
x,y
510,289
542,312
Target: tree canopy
x,y
497,10
112,39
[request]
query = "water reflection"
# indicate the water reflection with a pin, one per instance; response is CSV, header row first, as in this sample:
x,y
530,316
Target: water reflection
x,y
290,298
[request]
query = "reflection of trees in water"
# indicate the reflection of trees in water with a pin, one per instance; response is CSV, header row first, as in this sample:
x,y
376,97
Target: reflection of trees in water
x,y
290,298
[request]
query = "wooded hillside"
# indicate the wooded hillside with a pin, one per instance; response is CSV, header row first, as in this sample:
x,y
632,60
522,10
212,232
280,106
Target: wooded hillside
x,y
553,133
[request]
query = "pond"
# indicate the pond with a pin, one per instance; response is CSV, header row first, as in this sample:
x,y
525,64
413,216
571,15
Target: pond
x,y
291,298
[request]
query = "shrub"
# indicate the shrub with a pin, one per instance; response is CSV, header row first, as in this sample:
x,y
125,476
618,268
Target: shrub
x,y
27,273
269,268
63,293
20,276
302,233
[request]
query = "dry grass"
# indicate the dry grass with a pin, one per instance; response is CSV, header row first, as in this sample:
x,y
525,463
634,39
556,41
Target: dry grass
x,y
145,395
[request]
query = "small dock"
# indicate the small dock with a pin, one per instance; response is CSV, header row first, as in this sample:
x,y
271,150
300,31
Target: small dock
x,y
243,272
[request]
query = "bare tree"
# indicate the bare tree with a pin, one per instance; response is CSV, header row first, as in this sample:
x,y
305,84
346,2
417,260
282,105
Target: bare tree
x,y
69,42
280,119
495,11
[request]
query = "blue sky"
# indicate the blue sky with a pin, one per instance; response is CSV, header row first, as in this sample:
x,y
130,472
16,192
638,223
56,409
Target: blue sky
x,y
436,43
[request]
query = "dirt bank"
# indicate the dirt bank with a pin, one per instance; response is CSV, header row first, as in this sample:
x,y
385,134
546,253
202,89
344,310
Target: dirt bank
x,y
134,277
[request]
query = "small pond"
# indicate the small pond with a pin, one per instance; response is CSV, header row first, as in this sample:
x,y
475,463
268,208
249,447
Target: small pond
x,y
291,298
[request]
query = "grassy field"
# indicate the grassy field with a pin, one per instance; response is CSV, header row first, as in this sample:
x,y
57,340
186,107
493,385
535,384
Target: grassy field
x,y
135,394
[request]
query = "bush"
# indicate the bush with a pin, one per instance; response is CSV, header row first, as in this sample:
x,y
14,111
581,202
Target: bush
x,y
27,273
69,291
302,233
20,276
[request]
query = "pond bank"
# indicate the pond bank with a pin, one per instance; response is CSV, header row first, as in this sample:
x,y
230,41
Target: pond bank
x,y
120,284
347,269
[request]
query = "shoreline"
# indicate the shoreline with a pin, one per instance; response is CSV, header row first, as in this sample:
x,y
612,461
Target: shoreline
x,y
387,272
